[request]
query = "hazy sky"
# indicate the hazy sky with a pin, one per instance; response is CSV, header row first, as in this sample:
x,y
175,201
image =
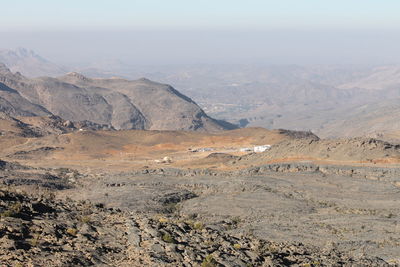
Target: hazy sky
x,y
205,31
187,14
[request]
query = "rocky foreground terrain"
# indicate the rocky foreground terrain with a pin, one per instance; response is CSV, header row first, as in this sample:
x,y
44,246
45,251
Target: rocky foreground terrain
x,y
273,215
42,231
90,197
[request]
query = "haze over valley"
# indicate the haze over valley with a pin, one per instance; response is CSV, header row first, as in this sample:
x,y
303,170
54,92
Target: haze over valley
x,y
329,100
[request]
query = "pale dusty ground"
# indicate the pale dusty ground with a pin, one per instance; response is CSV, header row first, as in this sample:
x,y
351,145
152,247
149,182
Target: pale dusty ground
x,y
132,150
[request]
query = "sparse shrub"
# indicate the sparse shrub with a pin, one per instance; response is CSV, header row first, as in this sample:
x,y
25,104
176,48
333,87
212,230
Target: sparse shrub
x,y
85,219
163,220
13,210
16,207
76,174
192,216
6,213
236,220
86,208
72,231
198,226
312,264
237,246
393,262
171,208
390,215
209,243
49,195
61,171
195,225
34,242
209,261
228,227
168,238
272,248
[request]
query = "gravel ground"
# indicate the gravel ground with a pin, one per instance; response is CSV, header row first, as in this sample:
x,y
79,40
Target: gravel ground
x,y
337,211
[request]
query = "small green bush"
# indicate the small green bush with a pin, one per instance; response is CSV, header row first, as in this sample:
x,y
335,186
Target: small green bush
x,y
209,261
237,246
168,238
72,231
85,219
34,242
13,210
198,226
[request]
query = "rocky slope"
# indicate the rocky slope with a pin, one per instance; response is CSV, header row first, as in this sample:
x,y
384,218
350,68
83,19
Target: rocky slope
x,y
223,215
372,119
12,103
354,149
39,126
119,103
39,230
164,107
325,99
379,78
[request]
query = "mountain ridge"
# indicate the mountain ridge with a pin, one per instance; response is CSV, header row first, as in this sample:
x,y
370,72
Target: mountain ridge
x,y
29,63
120,103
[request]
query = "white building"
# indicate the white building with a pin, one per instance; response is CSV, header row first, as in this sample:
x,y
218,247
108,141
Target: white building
x,y
263,148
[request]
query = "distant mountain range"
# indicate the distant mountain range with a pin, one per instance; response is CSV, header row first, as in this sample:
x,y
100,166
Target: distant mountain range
x,y
29,63
119,103
329,100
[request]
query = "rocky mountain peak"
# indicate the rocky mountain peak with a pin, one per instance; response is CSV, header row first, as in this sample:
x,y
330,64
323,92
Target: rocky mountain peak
x,y
29,63
143,79
19,54
23,52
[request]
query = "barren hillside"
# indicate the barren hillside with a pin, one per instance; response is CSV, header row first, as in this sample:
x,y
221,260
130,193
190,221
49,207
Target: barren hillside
x,y
118,103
